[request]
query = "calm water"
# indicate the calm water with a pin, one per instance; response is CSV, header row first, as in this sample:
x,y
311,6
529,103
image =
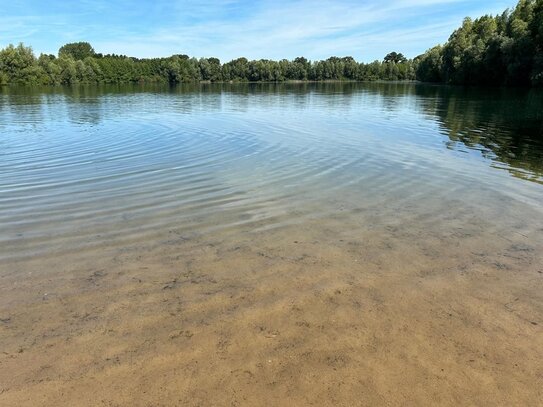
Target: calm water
x,y
324,244
85,165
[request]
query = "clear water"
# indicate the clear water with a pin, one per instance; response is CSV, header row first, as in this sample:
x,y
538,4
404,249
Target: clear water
x,y
86,165
299,244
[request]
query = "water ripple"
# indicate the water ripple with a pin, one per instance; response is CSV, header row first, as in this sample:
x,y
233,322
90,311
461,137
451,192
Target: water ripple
x,y
113,167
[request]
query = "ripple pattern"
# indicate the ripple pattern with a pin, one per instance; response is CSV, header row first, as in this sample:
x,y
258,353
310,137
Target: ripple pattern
x,y
110,168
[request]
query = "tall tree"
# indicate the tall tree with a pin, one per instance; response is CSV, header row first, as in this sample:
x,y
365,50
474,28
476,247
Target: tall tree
x,y
77,50
395,57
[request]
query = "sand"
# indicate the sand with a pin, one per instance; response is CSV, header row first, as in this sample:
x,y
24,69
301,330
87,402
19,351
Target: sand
x,y
392,311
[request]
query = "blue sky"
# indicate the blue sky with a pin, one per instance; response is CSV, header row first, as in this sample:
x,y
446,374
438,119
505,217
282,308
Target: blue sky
x,y
364,29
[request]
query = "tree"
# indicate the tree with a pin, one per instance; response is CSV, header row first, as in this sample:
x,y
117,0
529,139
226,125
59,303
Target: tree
x,y
19,65
68,70
395,57
536,30
50,69
210,69
503,50
77,50
237,69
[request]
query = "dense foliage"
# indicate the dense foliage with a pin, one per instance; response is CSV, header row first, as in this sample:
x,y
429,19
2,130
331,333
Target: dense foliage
x,y
78,63
492,50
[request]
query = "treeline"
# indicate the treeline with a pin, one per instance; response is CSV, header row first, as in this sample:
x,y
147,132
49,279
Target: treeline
x,y
492,50
79,63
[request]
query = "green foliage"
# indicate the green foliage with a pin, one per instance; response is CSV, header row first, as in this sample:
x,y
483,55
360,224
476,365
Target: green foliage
x,y
50,68
76,50
78,63
501,50
19,65
395,57
210,69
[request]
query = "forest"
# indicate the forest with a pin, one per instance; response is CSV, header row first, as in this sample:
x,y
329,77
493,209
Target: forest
x,y
506,49
79,63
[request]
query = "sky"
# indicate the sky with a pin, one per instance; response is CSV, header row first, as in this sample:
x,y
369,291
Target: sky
x,y
273,29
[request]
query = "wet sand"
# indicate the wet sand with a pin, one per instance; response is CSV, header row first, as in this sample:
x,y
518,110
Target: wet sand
x,y
412,310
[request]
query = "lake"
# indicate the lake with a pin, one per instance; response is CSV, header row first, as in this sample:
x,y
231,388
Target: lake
x,y
257,244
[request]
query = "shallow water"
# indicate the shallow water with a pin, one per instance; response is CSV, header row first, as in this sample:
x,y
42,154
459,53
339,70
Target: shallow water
x,y
256,244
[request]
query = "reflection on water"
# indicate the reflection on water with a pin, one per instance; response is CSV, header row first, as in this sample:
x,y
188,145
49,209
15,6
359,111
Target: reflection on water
x,y
505,125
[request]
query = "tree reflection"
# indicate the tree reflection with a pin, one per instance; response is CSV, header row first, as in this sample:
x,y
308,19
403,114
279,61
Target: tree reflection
x,y
505,125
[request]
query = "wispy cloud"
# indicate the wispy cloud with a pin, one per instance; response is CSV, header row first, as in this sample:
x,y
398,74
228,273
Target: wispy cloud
x,y
231,28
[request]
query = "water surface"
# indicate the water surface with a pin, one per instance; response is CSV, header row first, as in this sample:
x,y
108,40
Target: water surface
x,y
246,236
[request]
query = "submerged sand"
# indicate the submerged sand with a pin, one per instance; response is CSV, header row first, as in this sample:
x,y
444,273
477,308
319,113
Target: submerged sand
x,y
446,310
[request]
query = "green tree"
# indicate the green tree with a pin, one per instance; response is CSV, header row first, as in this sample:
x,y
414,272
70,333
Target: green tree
x,y
50,68
395,57
237,69
68,70
210,69
19,65
536,30
77,50
501,50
